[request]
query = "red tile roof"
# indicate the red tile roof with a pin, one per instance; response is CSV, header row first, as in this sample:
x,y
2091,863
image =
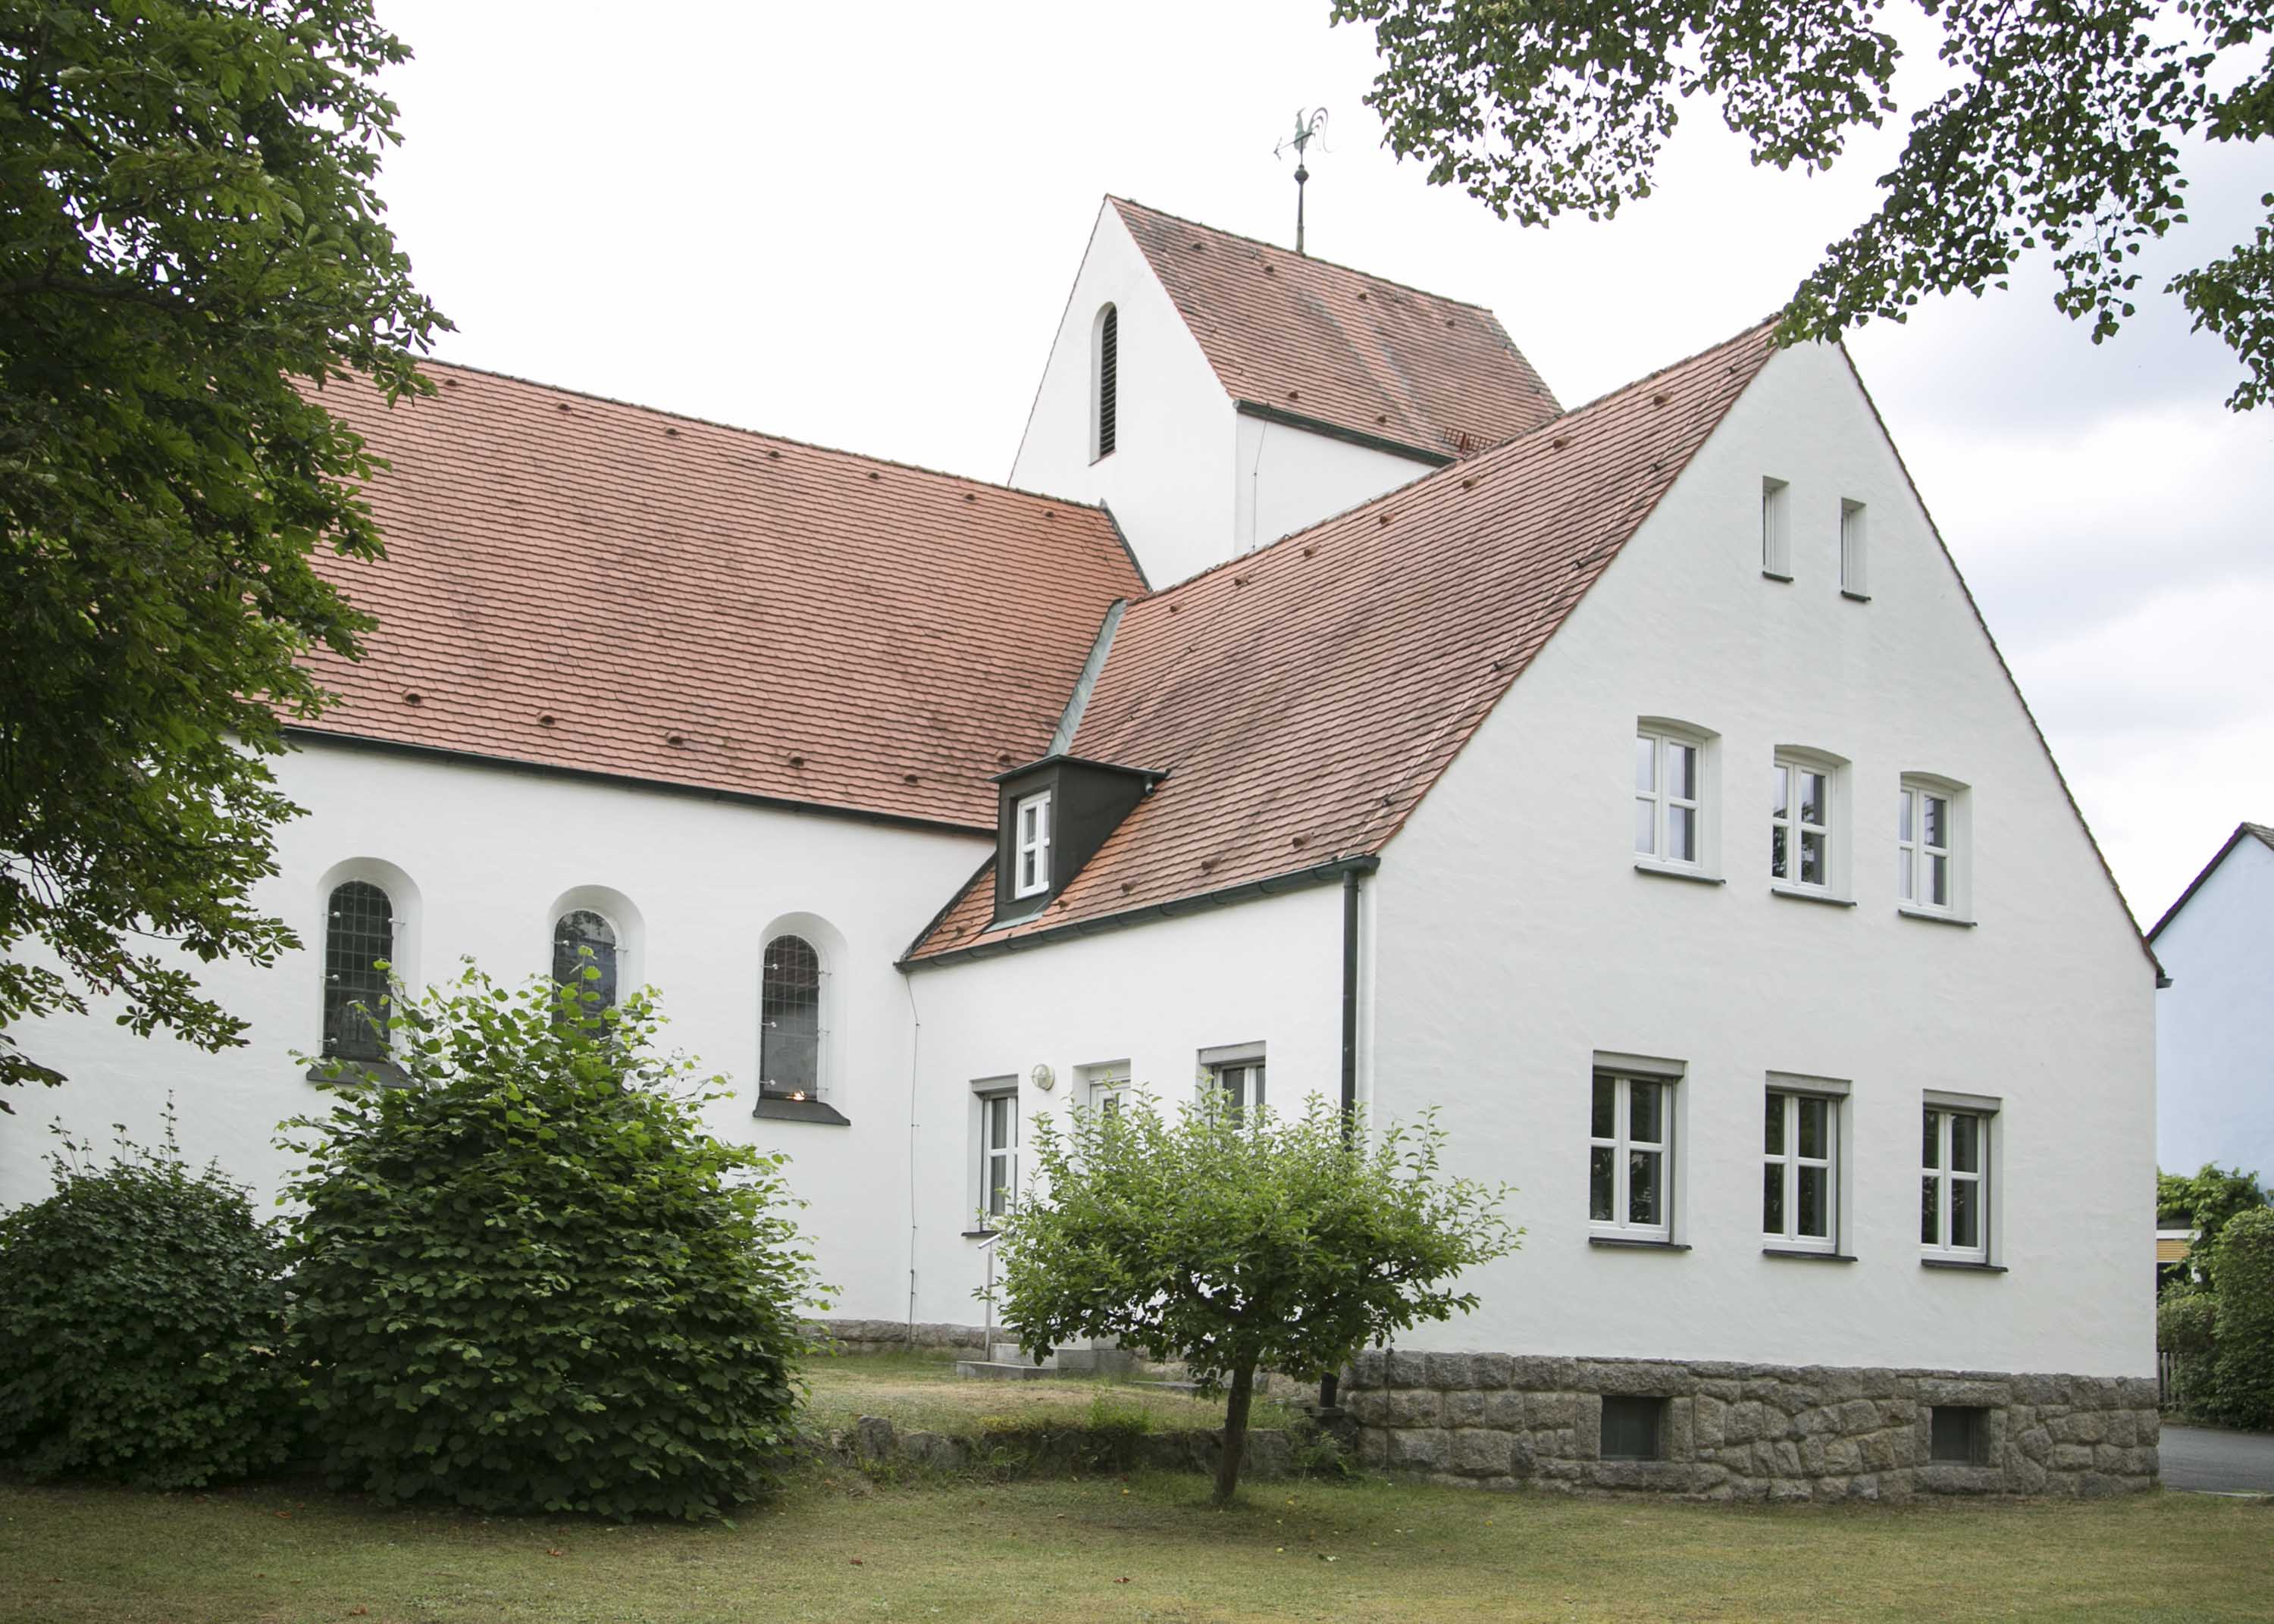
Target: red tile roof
x,y
1319,340
1305,697
583,584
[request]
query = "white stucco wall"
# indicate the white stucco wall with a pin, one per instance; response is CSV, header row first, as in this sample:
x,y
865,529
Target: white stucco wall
x,y
1286,479
1169,479
2215,1022
1515,939
490,851
1267,971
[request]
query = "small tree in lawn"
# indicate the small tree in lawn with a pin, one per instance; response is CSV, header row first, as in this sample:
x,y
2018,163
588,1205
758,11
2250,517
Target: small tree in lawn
x,y
1240,1241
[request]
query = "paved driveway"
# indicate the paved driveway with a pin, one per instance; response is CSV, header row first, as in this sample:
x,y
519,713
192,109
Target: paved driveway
x,y
2200,1457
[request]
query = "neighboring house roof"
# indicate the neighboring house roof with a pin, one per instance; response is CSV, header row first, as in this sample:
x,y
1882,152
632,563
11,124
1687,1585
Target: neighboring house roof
x,y
1302,699
2258,832
586,585
1303,338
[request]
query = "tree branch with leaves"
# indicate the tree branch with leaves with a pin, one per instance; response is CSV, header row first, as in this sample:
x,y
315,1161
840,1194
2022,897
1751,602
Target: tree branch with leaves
x,y
191,250
2060,135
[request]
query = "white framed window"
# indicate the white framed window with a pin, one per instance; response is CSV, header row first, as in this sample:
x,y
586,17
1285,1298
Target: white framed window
x,y
999,1153
1776,530
1800,1170
1926,846
1670,794
1630,1157
1236,1073
1030,845
1104,1087
1854,550
1802,853
1954,1182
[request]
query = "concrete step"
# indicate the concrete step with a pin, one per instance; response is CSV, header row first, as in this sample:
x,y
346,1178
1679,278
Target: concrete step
x,y
1005,1370
1096,1361
1011,1353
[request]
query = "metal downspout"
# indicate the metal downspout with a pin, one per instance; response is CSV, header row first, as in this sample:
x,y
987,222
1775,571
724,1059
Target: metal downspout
x,y
1329,1383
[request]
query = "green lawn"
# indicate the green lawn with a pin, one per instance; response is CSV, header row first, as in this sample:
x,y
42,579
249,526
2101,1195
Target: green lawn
x,y
1145,1550
922,1392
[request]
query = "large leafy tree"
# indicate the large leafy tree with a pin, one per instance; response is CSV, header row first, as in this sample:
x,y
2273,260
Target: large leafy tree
x,y
190,249
2060,133
1241,1243
2205,1199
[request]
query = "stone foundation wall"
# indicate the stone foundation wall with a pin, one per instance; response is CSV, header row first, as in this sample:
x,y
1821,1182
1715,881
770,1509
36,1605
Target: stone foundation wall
x,y
1747,1432
894,1335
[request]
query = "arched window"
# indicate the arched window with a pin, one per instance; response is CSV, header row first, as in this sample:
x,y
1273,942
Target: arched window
x,y
573,931
789,1007
359,933
1108,378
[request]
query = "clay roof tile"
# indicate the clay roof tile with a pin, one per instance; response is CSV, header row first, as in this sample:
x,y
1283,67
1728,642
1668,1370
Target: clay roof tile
x,y
584,584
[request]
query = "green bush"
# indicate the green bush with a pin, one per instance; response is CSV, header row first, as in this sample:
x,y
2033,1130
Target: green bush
x,y
2187,1324
141,1313
527,1280
2242,1271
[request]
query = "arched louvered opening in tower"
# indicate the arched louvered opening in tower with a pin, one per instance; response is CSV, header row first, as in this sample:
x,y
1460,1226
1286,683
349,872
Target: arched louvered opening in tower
x,y
1108,345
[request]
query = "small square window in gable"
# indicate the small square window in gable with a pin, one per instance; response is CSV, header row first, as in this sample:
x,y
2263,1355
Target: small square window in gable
x,y
1776,530
1855,549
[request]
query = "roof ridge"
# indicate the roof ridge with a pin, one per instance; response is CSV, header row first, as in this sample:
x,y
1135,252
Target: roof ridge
x,y
768,434
1312,259
1467,466
1634,383
1500,579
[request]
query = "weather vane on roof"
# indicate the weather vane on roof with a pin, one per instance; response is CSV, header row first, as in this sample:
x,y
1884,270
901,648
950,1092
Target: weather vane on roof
x,y
1305,130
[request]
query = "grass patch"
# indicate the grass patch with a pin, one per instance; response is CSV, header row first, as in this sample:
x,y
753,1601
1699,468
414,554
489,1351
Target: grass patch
x,y
922,1392
1147,1549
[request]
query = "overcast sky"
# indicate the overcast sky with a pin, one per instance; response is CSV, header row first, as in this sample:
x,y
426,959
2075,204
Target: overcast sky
x,y
857,226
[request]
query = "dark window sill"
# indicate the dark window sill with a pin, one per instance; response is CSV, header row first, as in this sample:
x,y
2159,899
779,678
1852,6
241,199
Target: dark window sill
x,y
1963,1265
1776,574
780,1108
1806,1256
979,1235
1622,1243
339,1069
1020,911
1668,871
1797,894
1855,598
1933,917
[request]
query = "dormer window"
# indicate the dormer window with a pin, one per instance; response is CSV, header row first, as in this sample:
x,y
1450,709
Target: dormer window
x,y
1031,853
1052,816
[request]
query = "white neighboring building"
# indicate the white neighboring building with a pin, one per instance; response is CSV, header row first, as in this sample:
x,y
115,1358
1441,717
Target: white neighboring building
x,y
1637,786
2215,1022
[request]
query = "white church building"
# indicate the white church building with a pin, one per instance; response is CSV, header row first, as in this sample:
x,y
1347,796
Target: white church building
x,y
1322,707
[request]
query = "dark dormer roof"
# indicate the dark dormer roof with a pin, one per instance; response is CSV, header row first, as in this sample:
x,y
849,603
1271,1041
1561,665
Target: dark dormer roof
x,y
1334,349
1089,801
